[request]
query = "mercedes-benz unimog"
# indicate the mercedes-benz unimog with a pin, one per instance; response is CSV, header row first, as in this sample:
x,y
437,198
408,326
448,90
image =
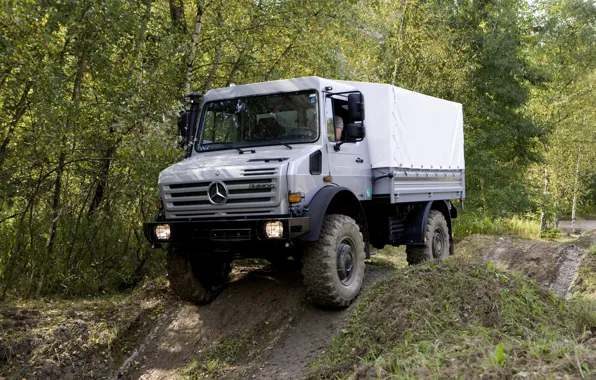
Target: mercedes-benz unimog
x,y
314,169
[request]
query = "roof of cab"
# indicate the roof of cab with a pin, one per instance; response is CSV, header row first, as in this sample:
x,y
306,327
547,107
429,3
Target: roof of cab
x,y
277,86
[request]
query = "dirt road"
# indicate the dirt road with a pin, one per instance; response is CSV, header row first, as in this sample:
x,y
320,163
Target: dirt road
x,y
261,327
582,225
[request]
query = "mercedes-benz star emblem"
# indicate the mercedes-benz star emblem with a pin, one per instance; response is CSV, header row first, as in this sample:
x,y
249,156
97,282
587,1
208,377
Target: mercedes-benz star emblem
x,y
217,193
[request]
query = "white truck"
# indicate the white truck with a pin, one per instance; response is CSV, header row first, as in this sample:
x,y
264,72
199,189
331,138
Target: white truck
x,y
314,169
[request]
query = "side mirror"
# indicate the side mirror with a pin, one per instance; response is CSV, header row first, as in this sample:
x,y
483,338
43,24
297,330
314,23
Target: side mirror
x,y
355,107
184,129
187,123
354,132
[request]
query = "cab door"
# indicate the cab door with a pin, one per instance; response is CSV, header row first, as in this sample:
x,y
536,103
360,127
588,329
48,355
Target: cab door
x,y
349,166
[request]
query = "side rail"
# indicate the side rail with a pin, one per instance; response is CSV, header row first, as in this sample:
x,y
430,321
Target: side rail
x,y
418,185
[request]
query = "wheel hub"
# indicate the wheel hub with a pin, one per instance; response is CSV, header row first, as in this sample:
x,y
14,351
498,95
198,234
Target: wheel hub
x,y
345,261
437,244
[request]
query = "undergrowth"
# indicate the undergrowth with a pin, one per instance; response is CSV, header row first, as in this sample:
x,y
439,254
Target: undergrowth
x,y
469,224
462,319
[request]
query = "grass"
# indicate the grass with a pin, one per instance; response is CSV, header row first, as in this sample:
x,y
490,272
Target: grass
x,y
469,224
585,284
219,359
462,319
68,338
390,257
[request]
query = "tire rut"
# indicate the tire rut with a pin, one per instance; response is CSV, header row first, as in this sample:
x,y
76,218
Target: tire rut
x,y
267,311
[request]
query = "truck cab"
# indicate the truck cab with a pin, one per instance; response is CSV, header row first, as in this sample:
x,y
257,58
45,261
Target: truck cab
x,y
283,169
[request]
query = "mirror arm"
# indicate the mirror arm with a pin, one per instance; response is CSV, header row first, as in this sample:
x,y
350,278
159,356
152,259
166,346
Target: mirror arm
x,y
337,146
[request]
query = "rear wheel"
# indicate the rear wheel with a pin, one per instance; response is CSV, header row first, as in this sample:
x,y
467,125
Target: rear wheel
x,y
333,266
437,241
197,280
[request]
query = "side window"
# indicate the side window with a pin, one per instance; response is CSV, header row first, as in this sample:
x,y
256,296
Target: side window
x,y
329,119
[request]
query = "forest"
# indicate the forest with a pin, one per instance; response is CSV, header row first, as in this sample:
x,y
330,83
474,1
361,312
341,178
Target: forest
x,y
90,93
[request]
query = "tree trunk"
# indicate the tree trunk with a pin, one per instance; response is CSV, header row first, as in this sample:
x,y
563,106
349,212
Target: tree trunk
x,y
399,35
217,58
543,225
575,190
192,46
177,15
19,110
102,180
556,214
104,169
57,192
53,224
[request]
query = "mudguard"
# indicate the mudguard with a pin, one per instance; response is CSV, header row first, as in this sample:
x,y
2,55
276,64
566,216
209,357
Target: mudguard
x,y
319,206
416,222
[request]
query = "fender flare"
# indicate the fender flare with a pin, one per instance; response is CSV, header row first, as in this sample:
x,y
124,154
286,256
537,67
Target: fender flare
x,y
319,206
416,222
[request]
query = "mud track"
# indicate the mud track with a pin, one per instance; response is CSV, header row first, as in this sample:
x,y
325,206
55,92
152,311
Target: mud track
x,y
262,320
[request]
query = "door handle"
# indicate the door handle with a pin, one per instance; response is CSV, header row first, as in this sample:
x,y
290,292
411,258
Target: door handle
x,y
359,160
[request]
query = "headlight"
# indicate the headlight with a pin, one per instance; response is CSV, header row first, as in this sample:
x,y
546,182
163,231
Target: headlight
x,y
274,230
162,231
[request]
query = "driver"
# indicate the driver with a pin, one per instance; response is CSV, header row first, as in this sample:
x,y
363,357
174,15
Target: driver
x,y
338,122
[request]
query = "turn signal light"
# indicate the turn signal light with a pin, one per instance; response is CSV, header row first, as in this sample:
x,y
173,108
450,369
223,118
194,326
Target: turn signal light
x,y
159,204
328,178
294,197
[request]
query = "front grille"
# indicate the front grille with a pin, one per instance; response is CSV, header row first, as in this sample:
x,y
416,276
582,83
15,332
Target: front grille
x,y
244,196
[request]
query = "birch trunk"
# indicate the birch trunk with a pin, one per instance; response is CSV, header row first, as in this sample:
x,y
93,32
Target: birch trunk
x,y
575,190
544,201
192,46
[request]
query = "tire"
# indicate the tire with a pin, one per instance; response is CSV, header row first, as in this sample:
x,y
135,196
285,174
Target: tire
x,y
198,281
333,266
437,241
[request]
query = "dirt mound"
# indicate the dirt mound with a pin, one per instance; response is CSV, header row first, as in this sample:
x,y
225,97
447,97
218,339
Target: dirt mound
x,y
464,318
74,339
262,326
553,265
586,240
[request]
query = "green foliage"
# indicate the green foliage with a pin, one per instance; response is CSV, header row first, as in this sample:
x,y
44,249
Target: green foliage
x,y
550,234
90,92
500,354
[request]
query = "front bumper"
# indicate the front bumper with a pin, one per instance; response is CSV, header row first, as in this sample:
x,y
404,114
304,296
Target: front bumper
x,y
235,230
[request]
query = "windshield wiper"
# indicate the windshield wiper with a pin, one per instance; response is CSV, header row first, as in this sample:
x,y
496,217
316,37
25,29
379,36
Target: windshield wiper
x,y
279,141
228,145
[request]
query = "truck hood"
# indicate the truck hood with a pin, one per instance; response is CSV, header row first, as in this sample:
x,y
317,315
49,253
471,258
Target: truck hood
x,y
229,163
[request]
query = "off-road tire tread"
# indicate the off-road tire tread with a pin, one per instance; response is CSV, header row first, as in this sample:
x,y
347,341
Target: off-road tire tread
x,y
185,284
419,254
319,262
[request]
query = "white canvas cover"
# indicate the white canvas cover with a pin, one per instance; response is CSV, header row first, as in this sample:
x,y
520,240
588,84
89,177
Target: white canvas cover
x,y
411,130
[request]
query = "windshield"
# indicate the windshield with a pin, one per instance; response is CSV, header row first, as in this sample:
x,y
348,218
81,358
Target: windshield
x,y
279,119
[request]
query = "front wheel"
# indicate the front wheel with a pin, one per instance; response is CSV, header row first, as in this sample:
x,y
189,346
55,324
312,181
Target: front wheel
x,y
196,279
437,243
333,266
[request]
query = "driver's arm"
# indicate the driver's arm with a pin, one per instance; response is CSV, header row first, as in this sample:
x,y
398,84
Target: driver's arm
x,y
339,126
